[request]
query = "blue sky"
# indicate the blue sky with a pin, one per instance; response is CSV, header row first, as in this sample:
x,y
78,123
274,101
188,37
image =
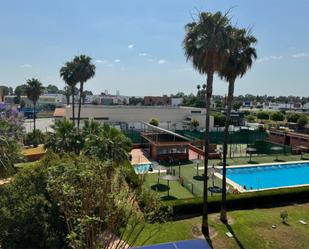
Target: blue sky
x,y
136,44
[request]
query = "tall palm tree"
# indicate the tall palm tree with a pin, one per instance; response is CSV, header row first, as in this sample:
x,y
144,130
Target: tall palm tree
x,y
34,90
205,44
67,74
84,70
240,59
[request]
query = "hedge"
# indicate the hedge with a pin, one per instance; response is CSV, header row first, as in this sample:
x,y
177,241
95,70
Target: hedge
x,y
258,199
130,175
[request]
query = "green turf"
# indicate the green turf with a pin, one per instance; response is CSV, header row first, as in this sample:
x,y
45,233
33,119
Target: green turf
x,y
251,229
189,172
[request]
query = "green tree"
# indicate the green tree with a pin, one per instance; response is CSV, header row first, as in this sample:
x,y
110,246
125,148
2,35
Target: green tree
x,y
52,89
19,91
263,115
277,116
67,74
108,144
195,123
29,218
205,45
302,121
293,117
239,61
30,139
83,71
64,138
154,122
250,118
97,205
34,90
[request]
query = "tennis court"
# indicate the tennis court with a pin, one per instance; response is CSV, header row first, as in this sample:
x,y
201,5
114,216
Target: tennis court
x,y
187,244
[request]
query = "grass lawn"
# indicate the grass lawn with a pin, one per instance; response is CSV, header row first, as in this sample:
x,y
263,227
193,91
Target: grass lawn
x,y
189,172
251,228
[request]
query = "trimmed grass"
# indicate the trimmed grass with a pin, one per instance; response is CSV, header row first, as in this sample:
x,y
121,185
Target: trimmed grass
x,y
251,229
189,172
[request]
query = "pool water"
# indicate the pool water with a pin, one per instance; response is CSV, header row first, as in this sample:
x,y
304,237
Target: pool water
x,y
272,176
142,168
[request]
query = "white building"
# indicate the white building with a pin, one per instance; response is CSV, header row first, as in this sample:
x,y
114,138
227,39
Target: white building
x,y
130,117
176,101
56,100
282,106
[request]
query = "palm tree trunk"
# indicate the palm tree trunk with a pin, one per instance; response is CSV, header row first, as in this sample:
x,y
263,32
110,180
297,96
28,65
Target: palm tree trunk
x,y
205,228
223,215
73,105
80,103
34,118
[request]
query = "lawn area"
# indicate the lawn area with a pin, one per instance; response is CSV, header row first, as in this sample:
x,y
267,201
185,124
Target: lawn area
x,y
189,172
251,228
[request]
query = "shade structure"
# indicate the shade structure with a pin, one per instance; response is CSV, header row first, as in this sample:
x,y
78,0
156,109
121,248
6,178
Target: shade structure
x,y
158,167
250,151
169,178
276,149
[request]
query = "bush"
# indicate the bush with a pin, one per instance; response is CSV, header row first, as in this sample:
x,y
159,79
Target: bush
x,y
263,115
302,121
277,116
28,216
250,118
257,199
219,119
154,122
130,175
38,139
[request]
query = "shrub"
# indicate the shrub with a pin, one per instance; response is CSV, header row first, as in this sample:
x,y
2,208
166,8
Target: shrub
x,y
263,115
257,199
39,138
130,175
302,121
284,216
277,116
250,118
154,122
28,216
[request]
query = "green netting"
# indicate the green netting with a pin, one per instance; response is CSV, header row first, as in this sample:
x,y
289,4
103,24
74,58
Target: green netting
x,y
237,137
135,136
264,147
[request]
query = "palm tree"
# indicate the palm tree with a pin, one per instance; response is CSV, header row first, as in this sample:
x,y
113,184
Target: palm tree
x,y
67,74
240,59
205,44
84,70
67,94
65,138
34,90
108,144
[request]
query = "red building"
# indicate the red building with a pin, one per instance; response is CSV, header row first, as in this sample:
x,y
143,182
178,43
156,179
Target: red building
x,y
157,100
298,141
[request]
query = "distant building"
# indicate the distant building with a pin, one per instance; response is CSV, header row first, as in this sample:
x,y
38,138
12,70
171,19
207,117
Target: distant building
x,y
283,106
45,100
176,101
171,118
157,100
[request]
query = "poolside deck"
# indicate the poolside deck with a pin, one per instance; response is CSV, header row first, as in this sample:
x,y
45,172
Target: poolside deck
x,y
139,157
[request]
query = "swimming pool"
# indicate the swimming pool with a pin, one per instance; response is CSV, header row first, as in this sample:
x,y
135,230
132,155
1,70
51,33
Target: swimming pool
x,y
142,168
270,176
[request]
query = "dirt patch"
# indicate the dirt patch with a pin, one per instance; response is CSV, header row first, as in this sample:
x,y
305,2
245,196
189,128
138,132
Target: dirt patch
x,y
197,232
216,218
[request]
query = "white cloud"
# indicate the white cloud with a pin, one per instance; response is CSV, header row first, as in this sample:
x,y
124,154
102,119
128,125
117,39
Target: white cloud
x,y
26,66
130,46
143,54
101,61
268,58
116,60
161,62
300,55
